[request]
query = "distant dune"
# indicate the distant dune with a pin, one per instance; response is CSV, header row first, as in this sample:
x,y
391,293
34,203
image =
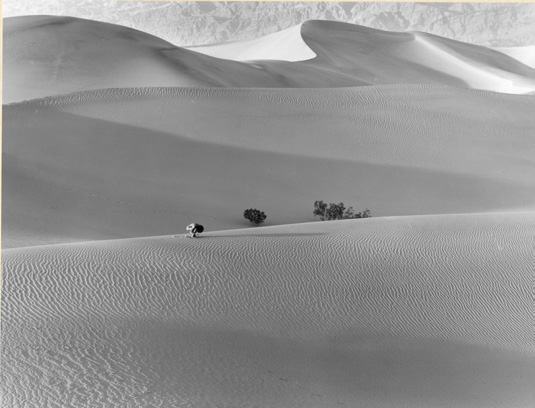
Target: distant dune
x,y
404,311
526,54
285,45
381,57
50,55
139,162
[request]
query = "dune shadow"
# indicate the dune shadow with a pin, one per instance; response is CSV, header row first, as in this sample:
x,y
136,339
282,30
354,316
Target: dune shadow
x,y
343,369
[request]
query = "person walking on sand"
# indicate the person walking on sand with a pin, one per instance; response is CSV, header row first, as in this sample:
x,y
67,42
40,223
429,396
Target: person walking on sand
x,y
194,229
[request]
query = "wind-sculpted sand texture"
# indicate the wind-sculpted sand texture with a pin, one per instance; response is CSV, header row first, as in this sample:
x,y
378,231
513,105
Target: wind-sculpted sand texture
x,y
52,55
122,163
404,311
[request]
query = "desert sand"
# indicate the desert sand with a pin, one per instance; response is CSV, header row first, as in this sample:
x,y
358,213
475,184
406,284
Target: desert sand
x,y
50,55
141,162
526,54
404,311
114,140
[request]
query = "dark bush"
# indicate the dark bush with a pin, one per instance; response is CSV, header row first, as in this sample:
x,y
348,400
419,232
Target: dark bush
x,y
255,216
337,211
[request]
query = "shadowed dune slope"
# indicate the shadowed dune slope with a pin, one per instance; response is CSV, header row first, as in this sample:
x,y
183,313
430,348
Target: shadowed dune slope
x,y
139,162
404,311
526,54
366,55
51,55
382,57
48,55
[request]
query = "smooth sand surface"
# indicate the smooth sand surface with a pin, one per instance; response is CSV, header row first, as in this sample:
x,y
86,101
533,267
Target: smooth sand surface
x,y
141,162
50,55
526,54
284,45
426,311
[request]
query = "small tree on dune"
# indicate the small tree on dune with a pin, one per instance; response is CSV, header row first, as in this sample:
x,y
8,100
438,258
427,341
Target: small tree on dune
x,y
338,211
320,209
255,216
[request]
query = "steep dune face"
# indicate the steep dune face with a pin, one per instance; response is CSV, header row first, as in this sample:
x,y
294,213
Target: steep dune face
x,y
370,56
285,45
382,57
409,311
139,162
48,55
525,55
45,55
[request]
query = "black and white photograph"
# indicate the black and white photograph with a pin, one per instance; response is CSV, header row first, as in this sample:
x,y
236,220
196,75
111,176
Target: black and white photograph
x,y
267,204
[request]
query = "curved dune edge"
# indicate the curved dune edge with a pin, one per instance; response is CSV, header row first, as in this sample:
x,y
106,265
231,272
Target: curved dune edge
x,y
408,310
284,45
121,163
383,57
453,57
525,55
84,54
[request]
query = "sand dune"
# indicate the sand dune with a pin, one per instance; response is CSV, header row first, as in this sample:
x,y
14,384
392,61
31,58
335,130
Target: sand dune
x,y
284,45
135,137
382,57
50,55
140,162
525,55
411,311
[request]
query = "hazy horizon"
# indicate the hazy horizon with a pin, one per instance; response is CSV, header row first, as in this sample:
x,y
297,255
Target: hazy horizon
x,y
205,22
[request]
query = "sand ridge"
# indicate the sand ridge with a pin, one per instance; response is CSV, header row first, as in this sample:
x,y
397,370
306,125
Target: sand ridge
x,y
343,55
525,54
414,125
284,45
127,319
73,165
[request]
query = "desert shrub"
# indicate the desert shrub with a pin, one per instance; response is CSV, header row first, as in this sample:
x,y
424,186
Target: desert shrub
x,y
320,208
255,216
338,211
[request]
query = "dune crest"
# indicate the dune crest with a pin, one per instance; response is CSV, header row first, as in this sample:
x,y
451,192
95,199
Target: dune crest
x,y
525,55
120,163
285,45
382,57
84,55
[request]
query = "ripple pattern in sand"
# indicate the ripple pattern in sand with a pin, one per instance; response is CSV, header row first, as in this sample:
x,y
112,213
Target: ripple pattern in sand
x,y
423,126
74,316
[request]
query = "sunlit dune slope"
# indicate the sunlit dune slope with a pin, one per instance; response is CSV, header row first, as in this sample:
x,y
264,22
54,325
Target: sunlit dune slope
x,y
48,55
385,57
410,311
381,57
285,45
139,162
526,54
